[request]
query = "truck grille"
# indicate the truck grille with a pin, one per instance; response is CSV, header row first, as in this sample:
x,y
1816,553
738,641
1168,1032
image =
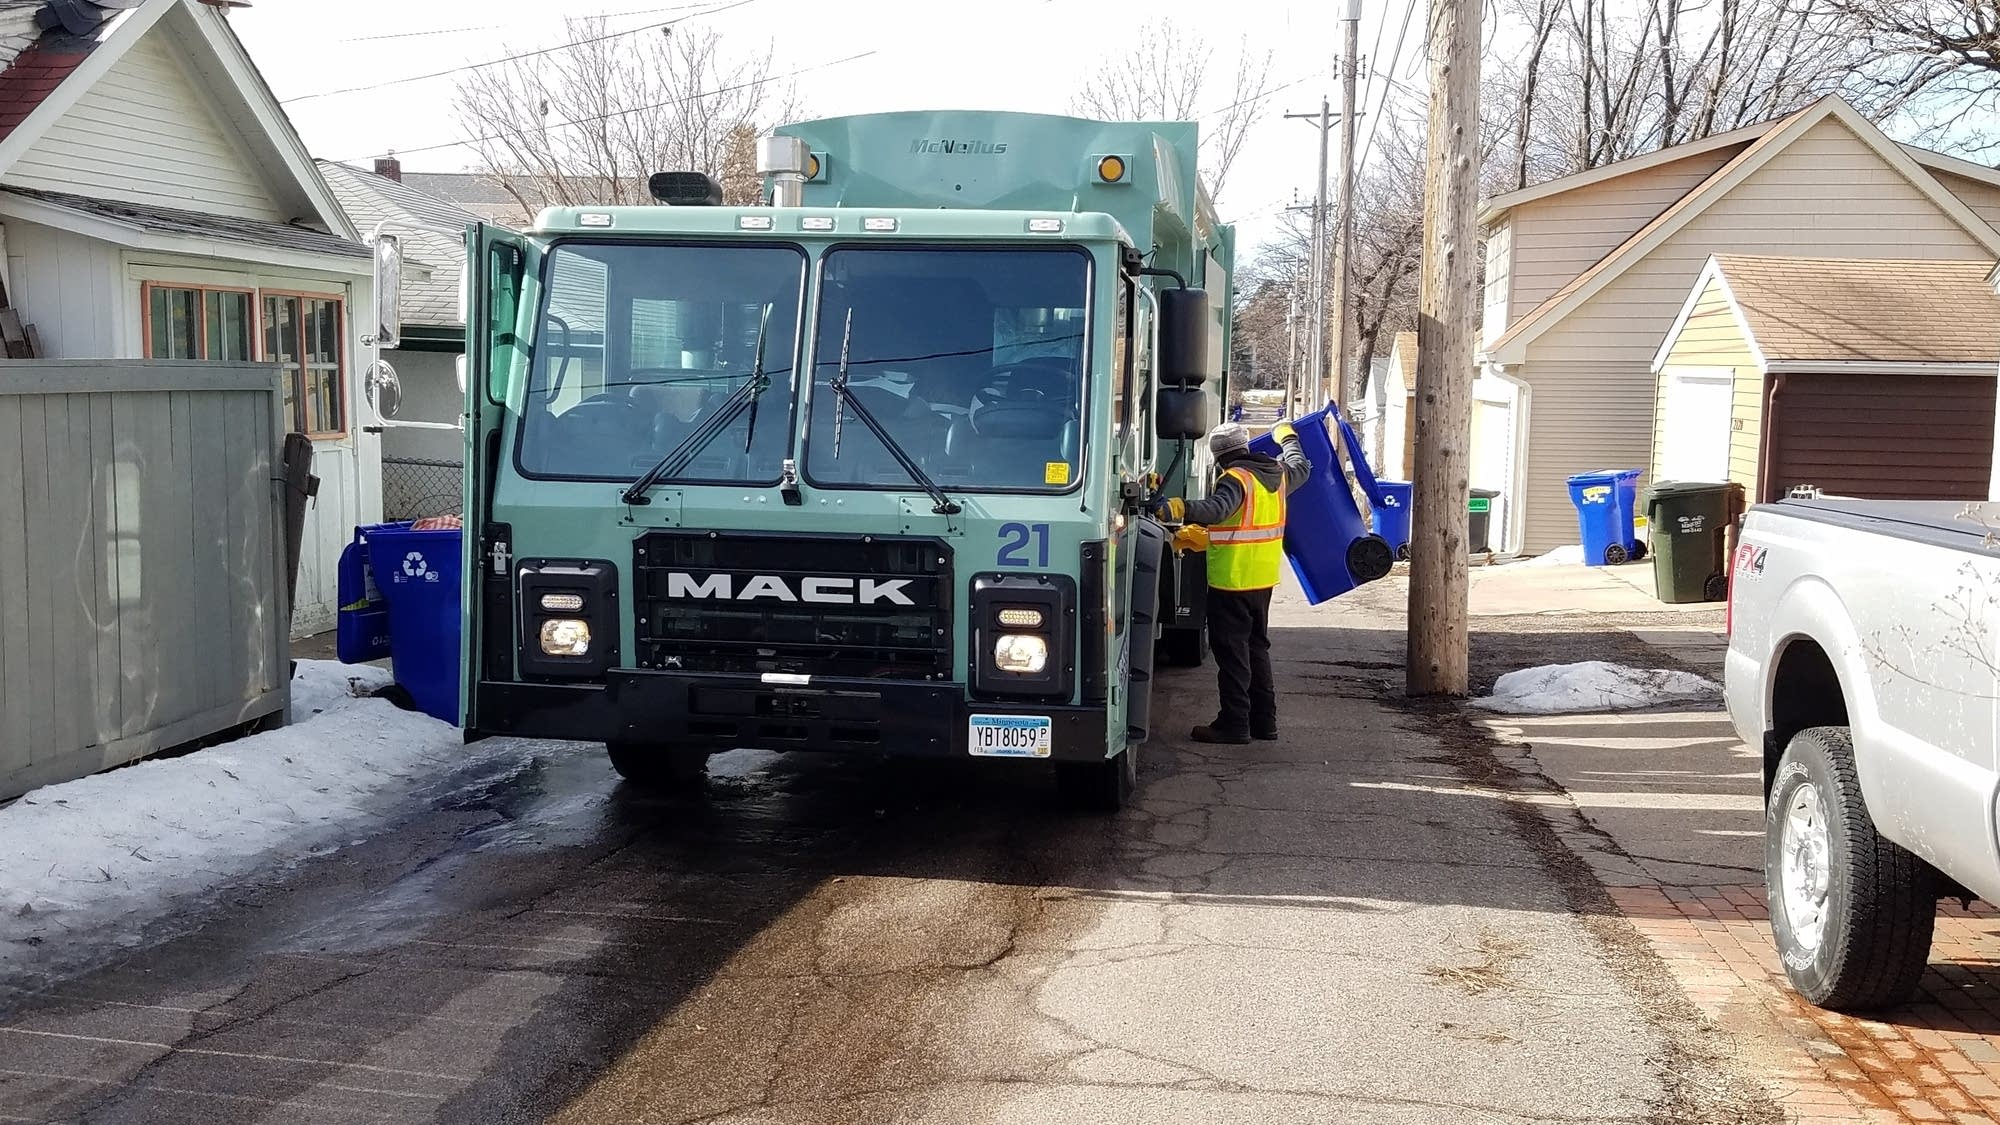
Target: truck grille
x,y
843,606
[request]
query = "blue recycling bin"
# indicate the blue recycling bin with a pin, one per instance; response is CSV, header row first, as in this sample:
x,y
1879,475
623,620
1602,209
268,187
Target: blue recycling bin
x,y
418,574
362,623
1606,502
1392,514
1326,541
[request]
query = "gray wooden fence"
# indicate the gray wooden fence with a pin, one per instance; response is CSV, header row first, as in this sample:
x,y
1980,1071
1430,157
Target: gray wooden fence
x,y
142,571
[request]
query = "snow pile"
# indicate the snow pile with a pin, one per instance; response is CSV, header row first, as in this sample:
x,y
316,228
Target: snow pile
x,y
319,686
1594,685
1571,555
103,856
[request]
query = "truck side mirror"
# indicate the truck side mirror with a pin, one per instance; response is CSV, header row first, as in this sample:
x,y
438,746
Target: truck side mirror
x,y
388,328
1185,413
1184,323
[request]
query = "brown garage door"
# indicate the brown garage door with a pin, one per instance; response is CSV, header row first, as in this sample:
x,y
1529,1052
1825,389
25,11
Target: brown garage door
x,y
1883,437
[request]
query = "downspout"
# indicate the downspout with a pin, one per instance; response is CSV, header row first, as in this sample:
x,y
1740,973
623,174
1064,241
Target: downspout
x,y
1760,492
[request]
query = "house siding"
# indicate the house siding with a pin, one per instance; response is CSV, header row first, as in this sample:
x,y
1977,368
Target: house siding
x,y
1499,269
145,133
1984,199
70,288
1712,338
1827,194
1555,239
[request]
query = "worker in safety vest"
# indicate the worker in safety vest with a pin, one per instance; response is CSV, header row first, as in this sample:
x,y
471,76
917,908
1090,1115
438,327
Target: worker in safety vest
x,y
1241,525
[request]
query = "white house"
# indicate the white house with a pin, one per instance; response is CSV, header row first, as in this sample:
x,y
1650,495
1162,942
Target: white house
x,y
155,202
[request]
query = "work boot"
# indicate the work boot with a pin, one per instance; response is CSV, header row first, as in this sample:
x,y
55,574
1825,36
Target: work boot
x,y
1208,732
1267,734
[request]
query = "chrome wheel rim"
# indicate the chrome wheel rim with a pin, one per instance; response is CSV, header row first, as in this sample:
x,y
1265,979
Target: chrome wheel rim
x,y
1804,875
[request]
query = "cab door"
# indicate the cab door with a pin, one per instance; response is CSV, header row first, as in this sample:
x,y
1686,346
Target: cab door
x,y
501,293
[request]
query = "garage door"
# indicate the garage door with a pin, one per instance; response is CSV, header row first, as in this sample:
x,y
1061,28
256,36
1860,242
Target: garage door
x,y
1883,437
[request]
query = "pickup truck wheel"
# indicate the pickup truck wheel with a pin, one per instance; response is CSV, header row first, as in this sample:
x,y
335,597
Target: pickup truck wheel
x,y
658,766
1852,912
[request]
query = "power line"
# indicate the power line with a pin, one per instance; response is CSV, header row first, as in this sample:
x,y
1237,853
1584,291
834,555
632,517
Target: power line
x,y
514,58
637,109
495,27
1388,79
1260,97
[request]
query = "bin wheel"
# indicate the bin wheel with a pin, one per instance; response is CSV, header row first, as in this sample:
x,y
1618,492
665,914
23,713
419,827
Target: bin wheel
x,y
1183,648
1369,558
1638,551
661,766
1616,555
1716,588
1403,553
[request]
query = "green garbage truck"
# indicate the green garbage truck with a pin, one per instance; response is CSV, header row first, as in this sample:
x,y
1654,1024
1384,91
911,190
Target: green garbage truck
x,y
859,469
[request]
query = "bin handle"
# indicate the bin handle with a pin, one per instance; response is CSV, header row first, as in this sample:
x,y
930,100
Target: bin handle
x,y
1355,456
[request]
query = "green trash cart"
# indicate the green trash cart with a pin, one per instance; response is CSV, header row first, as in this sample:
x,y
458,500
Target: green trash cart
x,y
1690,523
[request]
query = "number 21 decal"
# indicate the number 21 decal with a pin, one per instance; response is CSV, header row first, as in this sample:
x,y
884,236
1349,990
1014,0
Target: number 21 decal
x,y
1014,539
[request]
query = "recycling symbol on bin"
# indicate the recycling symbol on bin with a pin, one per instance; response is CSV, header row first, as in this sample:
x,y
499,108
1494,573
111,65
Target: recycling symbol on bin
x,y
414,565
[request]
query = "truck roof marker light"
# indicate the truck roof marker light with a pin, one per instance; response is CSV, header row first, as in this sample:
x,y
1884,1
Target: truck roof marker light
x,y
879,223
1111,169
814,166
593,219
816,222
753,222
1045,226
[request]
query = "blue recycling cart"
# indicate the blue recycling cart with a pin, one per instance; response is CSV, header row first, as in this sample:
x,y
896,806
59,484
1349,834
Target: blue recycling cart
x,y
1392,514
1606,502
399,597
1326,539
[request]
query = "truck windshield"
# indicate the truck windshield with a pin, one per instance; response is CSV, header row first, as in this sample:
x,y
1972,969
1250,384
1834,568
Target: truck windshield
x,y
640,342
972,359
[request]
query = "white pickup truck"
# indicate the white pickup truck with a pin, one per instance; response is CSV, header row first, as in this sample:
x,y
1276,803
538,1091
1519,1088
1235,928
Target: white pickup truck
x,y
1864,658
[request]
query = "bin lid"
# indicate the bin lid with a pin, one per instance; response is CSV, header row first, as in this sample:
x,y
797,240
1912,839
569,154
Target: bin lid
x,y
1692,487
1488,493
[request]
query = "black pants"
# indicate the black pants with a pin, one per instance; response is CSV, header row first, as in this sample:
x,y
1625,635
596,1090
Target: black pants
x,y
1239,636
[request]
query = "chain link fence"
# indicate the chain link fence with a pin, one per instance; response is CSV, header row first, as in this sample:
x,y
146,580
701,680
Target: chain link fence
x,y
414,487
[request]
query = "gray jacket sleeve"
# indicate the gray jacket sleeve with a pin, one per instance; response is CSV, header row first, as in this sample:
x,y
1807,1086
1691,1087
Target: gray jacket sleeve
x,y
1216,506
1297,468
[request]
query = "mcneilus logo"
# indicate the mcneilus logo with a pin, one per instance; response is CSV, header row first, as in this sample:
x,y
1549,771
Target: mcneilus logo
x,y
957,148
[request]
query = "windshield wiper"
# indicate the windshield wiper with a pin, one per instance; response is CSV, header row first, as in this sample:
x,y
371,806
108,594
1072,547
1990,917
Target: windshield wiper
x,y
945,505
697,440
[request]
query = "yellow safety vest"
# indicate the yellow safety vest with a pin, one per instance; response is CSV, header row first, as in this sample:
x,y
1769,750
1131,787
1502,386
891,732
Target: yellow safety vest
x,y
1245,552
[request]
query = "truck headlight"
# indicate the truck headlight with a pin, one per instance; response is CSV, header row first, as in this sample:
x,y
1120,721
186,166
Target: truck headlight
x,y
565,636
1020,653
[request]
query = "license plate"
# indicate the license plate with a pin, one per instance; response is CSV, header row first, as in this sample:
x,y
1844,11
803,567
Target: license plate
x,y
1012,736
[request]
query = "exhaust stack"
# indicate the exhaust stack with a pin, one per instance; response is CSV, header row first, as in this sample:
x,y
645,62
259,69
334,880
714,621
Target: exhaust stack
x,y
784,160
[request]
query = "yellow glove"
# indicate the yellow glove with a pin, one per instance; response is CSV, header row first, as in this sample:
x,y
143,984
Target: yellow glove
x,y
1283,432
1171,509
1191,537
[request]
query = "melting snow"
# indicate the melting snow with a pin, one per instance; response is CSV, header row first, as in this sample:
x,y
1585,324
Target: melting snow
x,y
102,856
1594,685
1571,555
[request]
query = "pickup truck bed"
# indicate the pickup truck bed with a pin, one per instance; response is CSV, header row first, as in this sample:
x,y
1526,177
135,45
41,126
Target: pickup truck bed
x,y
1864,643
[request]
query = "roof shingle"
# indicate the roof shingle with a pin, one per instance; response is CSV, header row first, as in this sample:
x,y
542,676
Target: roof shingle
x,y
1849,309
433,233
197,224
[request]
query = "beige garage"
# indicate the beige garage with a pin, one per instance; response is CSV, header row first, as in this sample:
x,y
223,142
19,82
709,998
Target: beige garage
x,y
1870,378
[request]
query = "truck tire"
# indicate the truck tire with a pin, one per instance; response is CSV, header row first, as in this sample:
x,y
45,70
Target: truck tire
x,y
1852,913
1142,630
1183,648
661,766
1103,787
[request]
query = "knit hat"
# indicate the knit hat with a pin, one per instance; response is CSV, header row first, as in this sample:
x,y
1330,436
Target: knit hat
x,y
1227,438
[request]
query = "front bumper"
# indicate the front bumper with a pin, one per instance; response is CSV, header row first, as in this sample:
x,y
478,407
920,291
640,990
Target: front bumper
x,y
721,712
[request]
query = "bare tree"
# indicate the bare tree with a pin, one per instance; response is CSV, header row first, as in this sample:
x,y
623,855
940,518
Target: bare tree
x,y
589,122
1941,55
1606,80
1167,77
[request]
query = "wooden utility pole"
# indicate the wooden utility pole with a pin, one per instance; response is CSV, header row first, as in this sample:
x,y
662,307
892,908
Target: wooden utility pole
x,y
1316,337
1438,659
1336,370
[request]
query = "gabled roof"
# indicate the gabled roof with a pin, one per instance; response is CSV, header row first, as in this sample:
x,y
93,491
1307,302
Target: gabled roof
x,y
1802,311
1404,352
44,80
433,234
1498,207
1511,345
